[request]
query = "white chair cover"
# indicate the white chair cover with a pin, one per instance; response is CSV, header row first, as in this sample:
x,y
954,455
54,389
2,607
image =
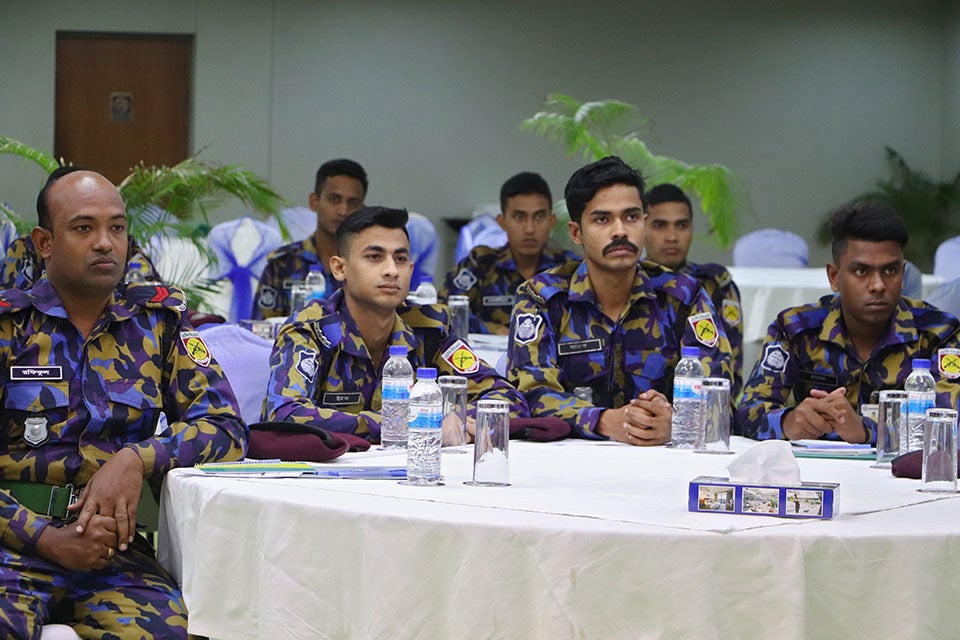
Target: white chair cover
x,y
299,222
245,360
946,261
241,247
912,281
947,297
8,233
482,230
771,248
423,247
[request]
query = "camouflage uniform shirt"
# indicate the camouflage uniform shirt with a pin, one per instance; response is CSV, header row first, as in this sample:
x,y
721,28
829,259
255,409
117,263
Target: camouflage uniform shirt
x,y
807,348
561,340
22,267
71,402
725,296
286,265
322,373
489,277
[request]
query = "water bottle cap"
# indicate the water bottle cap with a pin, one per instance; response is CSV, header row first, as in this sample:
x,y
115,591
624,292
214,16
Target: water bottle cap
x,y
398,350
426,373
921,363
135,264
690,352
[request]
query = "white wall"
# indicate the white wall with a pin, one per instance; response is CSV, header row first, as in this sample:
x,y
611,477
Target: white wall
x,y
799,99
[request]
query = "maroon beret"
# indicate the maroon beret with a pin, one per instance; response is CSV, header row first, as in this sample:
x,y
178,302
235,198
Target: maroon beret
x,y
539,429
292,441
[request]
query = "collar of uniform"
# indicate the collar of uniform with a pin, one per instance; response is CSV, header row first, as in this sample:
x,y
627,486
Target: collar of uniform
x,y
505,261
310,249
353,343
45,298
902,329
582,290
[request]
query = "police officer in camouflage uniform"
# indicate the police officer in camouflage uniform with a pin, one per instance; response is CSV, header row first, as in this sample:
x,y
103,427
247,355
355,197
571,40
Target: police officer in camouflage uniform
x,y
610,324
22,267
340,189
326,360
821,362
667,238
489,276
88,366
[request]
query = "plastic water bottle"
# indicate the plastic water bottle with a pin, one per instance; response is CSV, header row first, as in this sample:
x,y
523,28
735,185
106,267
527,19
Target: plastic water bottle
x,y
922,390
397,380
134,273
424,436
426,293
687,418
316,284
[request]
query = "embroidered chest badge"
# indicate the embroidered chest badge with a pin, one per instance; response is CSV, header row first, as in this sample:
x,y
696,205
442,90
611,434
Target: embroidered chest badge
x,y
775,358
527,327
195,346
465,280
731,312
461,357
948,361
704,329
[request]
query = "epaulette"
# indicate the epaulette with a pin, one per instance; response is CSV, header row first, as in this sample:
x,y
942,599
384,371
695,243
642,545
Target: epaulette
x,y
156,296
551,282
797,320
711,270
483,256
676,284
423,316
284,250
13,300
929,318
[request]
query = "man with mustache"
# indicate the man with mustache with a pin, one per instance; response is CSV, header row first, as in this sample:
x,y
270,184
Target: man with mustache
x,y
339,190
87,366
821,362
327,358
610,326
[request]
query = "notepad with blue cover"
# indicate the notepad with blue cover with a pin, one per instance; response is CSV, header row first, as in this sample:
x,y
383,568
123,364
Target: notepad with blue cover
x,y
281,469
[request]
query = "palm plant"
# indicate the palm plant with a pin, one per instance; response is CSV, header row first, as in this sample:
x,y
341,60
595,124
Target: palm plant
x,y
603,128
931,210
172,201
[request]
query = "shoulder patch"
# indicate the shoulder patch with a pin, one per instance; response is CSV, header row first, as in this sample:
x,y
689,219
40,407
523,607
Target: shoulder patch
x,y
775,358
731,313
704,328
307,364
465,279
195,347
268,298
461,357
948,361
157,296
13,300
527,327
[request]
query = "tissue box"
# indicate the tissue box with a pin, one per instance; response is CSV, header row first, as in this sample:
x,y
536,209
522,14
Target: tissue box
x,y
809,500
263,328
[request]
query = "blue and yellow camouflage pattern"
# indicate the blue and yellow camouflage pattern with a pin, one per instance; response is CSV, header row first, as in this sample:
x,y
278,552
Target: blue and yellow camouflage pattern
x,y
806,347
561,339
489,277
286,265
725,296
322,373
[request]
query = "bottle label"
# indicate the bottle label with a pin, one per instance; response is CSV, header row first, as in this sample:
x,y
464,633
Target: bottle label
x,y
919,401
686,388
425,417
396,390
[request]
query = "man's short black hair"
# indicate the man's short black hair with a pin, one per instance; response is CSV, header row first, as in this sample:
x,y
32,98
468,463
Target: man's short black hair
x,y
522,184
588,180
340,167
865,220
666,193
43,209
367,217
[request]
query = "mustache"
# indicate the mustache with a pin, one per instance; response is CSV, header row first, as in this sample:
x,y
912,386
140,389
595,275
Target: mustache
x,y
622,242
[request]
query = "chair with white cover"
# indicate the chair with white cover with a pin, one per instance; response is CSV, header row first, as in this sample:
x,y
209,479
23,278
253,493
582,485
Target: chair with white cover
x,y
423,247
245,359
483,230
771,248
182,264
299,222
8,233
946,261
947,297
241,247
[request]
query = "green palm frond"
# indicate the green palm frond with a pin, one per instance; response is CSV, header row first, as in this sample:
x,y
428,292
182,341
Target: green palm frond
x,y
46,161
597,129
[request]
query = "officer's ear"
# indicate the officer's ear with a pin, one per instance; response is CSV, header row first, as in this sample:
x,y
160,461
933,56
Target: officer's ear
x,y
42,241
338,268
575,232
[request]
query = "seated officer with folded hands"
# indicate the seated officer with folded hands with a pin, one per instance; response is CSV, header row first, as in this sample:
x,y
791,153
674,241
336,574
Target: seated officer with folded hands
x,y
821,362
327,358
88,366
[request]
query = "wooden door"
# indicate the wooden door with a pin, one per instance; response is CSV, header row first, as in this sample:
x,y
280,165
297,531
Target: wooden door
x,y
122,99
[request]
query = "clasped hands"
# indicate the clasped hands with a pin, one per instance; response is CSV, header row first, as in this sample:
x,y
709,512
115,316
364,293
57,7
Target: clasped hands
x,y
645,421
824,412
107,517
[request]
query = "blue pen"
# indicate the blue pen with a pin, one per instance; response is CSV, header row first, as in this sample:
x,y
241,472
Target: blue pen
x,y
364,472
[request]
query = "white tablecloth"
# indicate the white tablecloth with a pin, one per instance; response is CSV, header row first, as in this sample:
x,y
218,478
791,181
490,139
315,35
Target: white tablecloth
x,y
593,540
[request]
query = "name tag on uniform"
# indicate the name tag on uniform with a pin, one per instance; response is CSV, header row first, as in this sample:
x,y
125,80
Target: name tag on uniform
x,y
498,301
818,378
341,399
36,373
579,346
